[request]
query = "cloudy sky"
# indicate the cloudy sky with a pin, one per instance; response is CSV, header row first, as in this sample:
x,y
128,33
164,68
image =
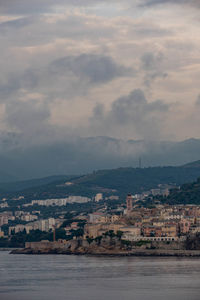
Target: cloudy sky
x,y
125,69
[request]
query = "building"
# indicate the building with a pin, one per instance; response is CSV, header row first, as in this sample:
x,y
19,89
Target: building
x,y
20,228
130,232
184,226
113,197
97,217
1,233
98,197
169,230
3,220
94,230
28,217
129,203
58,202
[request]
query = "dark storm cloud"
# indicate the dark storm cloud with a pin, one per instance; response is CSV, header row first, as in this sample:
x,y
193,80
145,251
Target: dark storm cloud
x,y
69,75
135,113
66,77
134,108
96,68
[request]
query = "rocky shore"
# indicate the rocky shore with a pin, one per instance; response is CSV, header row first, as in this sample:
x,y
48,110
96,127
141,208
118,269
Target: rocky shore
x,y
137,252
112,247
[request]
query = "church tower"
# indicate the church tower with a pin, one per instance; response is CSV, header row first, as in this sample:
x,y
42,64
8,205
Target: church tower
x,y
129,203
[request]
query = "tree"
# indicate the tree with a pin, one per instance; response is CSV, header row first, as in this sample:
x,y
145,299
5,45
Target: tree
x,y
119,234
98,239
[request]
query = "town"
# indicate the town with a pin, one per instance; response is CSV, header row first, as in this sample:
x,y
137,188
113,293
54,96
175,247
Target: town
x,y
161,223
128,219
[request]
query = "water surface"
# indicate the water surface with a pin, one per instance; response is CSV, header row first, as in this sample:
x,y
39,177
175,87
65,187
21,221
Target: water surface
x,y
38,277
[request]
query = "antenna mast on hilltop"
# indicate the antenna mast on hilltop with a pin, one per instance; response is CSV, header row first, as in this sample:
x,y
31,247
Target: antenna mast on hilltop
x,y
140,162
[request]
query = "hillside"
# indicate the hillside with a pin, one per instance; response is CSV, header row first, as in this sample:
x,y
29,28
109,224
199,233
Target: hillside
x,y
188,194
116,181
195,164
136,179
26,184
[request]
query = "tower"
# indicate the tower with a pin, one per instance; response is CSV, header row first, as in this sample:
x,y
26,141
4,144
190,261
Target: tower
x,y
140,162
129,203
54,233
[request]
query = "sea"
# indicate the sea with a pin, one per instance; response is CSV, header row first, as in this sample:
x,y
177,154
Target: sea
x,y
55,277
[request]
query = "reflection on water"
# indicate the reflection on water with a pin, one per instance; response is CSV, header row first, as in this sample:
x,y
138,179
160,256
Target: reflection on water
x,y
31,277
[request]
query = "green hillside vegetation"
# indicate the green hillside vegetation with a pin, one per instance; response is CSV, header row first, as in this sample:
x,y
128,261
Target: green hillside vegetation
x,y
117,181
195,164
188,194
135,180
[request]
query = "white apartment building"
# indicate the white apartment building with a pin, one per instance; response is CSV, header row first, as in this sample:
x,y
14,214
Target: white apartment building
x,y
98,197
59,202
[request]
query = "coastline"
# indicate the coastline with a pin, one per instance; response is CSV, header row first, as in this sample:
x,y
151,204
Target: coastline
x,y
9,249
136,252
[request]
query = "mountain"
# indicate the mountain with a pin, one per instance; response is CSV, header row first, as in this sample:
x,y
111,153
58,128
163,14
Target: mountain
x,y
195,164
15,186
84,155
118,181
136,180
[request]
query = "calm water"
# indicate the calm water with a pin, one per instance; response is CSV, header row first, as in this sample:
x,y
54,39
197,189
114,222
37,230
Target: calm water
x,y
30,277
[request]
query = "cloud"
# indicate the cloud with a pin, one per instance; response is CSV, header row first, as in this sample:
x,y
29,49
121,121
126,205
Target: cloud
x,y
98,112
198,102
38,6
7,88
150,61
11,85
151,64
97,52
32,7
70,75
24,7
17,23
28,117
96,68
132,113
151,30
195,3
30,96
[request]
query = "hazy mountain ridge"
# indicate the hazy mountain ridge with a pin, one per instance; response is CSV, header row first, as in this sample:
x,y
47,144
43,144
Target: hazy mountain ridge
x,y
26,184
195,164
83,155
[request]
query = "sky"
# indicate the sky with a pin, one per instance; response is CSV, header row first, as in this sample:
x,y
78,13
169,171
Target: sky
x,y
80,68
